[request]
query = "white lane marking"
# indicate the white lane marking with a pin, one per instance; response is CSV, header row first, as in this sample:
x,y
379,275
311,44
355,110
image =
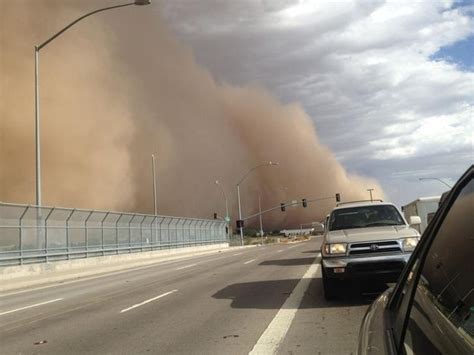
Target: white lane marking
x,y
279,251
248,262
185,267
148,301
236,254
276,331
31,306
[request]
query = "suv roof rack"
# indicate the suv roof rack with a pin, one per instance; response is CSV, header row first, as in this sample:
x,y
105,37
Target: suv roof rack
x,y
345,203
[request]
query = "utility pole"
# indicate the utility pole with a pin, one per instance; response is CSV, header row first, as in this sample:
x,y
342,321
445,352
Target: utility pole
x,y
370,191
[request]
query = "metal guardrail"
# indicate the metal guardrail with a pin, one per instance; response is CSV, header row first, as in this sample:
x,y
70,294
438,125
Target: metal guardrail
x,y
31,234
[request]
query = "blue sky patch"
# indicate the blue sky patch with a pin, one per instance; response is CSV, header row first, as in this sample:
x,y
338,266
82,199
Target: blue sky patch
x,y
460,53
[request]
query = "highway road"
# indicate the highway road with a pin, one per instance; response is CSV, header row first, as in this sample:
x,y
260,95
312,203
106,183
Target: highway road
x,y
255,300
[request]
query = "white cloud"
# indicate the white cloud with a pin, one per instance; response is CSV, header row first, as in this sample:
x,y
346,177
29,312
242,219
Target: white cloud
x,y
426,136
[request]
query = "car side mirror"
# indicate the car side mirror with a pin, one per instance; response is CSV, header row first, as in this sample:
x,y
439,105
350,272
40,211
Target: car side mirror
x,y
415,220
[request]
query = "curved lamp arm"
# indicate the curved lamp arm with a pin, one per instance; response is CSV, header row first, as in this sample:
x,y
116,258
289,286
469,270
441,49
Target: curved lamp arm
x,y
437,179
255,167
137,2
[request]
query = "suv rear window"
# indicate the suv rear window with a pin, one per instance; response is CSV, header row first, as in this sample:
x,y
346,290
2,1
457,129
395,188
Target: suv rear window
x,y
365,216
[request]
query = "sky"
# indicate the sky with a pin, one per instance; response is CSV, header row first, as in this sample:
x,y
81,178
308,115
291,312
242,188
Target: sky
x,y
388,84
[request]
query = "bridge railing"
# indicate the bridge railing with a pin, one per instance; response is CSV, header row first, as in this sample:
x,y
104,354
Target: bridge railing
x,y
31,234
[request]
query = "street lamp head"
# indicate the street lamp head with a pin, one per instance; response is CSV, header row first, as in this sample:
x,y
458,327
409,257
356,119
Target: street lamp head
x,y
142,2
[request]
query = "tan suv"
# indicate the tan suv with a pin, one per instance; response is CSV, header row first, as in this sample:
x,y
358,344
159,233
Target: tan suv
x,y
365,239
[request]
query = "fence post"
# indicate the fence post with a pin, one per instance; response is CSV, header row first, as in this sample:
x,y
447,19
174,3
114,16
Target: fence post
x,y
130,234
181,223
86,233
170,237
210,232
116,233
20,236
46,233
141,233
151,231
161,232
67,232
102,232
188,239
201,238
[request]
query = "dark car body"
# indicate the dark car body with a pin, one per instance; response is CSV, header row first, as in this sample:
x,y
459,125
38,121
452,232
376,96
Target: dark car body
x,y
431,308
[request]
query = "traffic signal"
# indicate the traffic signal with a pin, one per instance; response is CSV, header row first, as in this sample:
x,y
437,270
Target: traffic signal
x,y
215,215
304,202
282,206
338,197
240,223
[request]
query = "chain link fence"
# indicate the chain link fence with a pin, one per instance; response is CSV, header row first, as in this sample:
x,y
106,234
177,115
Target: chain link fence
x,y
31,234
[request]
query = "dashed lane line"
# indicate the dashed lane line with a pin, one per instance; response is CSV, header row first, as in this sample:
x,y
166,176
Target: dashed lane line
x,y
186,267
147,301
249,261
31,306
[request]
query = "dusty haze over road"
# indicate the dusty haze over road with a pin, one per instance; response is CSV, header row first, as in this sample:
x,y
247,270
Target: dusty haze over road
x,y
118,87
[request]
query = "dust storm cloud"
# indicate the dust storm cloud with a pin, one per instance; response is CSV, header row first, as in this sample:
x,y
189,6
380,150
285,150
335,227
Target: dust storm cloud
x,y
120,87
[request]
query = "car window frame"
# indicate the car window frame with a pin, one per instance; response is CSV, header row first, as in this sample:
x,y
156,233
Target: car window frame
x,y
399,305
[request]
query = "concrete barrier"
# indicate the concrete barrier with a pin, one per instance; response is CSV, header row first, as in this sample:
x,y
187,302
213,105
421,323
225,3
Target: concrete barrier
x,y
22,276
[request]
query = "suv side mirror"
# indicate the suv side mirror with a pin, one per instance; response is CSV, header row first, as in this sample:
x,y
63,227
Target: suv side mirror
x,y
415,220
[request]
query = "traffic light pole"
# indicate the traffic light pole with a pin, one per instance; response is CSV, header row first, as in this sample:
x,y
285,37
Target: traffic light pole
x,y
284,205
240,216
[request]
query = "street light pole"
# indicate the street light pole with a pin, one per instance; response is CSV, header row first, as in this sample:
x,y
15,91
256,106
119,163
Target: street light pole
x,y
437,179
155,208
37,103
238,194
241,229
37,131
260,215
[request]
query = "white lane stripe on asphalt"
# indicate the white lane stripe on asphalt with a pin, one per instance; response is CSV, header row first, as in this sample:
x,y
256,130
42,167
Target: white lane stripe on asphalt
x,y
248,262
276,331
185,267
279,251
147,301
31,306
236,254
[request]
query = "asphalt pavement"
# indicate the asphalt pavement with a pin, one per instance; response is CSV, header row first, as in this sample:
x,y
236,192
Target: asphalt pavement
x,y
257,300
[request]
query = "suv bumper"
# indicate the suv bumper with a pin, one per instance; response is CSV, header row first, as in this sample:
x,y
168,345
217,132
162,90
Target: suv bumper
x,y
386,267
